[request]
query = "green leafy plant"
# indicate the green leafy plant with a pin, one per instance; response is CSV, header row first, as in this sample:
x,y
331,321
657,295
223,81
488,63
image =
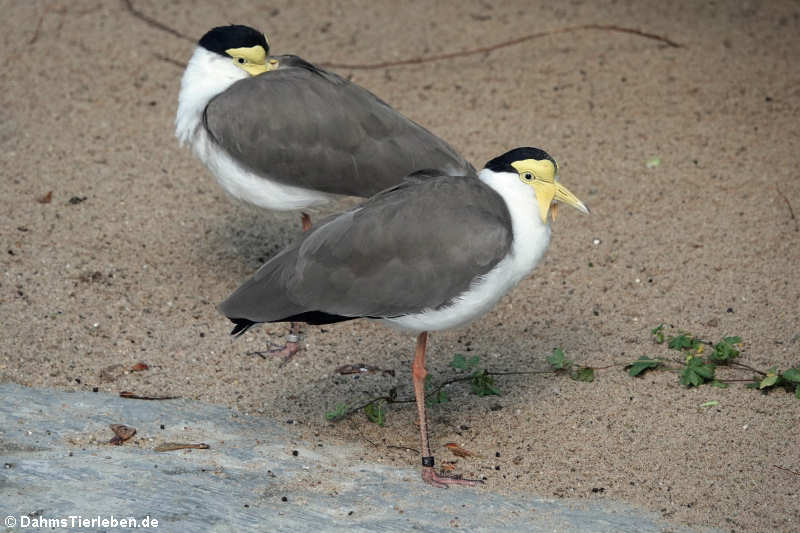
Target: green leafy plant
x,y
683,341
643,364
483,384
725,350
559,362
434,397
584,373
789,380
698,369
658,333
460,362
696,372
338,411
375,412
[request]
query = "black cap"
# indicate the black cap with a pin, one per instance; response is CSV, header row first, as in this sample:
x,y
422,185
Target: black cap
x,y
503,162
224,38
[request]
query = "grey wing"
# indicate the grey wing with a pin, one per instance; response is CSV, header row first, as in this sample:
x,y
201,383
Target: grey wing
x,y
308,127
413,247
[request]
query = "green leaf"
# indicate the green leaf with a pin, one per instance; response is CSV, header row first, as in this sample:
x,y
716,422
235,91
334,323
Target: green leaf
x,y
683,342
584,373
711,403
558,361
440,397
375,412
793,375
724,350
642,364
719,384
797,392
658,333
652,162
768,381
459,362
483,384
696,372
337,412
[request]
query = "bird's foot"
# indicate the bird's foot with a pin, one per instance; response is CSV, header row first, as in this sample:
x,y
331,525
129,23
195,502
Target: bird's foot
x,y
430,477
305,221
287,351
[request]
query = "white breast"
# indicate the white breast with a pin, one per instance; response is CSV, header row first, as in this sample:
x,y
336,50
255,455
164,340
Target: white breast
x,y
207,75
530,240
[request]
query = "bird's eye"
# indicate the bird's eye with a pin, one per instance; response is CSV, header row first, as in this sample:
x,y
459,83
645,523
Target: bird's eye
x,y
241,60
527,176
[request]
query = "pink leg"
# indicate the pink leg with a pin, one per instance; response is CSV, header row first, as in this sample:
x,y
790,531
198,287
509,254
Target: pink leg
x,y
288,350
418,373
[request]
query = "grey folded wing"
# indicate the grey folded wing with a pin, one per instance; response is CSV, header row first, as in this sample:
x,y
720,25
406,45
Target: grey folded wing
x,y
416,246
307,127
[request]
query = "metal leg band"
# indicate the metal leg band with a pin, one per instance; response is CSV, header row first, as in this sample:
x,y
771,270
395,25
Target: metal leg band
x,y
427,461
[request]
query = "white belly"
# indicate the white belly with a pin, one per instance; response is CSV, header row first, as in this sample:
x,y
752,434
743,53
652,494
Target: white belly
x,y
243,184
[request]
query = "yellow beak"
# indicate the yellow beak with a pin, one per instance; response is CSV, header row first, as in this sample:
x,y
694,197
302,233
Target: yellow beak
x,y
547,193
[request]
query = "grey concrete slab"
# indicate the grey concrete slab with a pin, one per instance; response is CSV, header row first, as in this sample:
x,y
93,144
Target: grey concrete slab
x,y
57,464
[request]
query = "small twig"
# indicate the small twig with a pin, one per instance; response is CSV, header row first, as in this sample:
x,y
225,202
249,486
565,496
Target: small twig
x,y
406,448
747,367
132,396
38,27
787,470
791,211
497,46
170,60
421,59
153,22
362,435
170,446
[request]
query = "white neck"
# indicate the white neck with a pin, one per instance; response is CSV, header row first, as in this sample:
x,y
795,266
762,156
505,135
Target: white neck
x,y
531,235
207,74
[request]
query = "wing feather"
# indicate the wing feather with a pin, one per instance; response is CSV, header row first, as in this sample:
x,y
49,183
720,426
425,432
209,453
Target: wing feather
x,y
418,245
307,127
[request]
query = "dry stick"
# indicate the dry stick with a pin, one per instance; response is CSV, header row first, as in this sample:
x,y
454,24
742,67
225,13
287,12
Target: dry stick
x,y
746,367
38,27
789,205
422,59
170,60
504,44
153,22
787,470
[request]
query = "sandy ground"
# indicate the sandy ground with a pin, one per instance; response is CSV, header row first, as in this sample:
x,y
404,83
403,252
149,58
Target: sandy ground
x,y
137,243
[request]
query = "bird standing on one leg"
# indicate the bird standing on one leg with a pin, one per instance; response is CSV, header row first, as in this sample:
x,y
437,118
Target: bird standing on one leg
x,y
432,253
283,134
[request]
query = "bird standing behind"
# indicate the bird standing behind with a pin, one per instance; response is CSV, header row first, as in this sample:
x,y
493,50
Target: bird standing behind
x,y
283,134
432,253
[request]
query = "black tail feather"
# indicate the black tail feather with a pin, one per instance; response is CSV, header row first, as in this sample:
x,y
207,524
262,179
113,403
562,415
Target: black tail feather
x,y
242,325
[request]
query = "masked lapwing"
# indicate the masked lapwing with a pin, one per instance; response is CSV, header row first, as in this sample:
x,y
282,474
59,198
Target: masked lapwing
x,y
432,253
283,134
